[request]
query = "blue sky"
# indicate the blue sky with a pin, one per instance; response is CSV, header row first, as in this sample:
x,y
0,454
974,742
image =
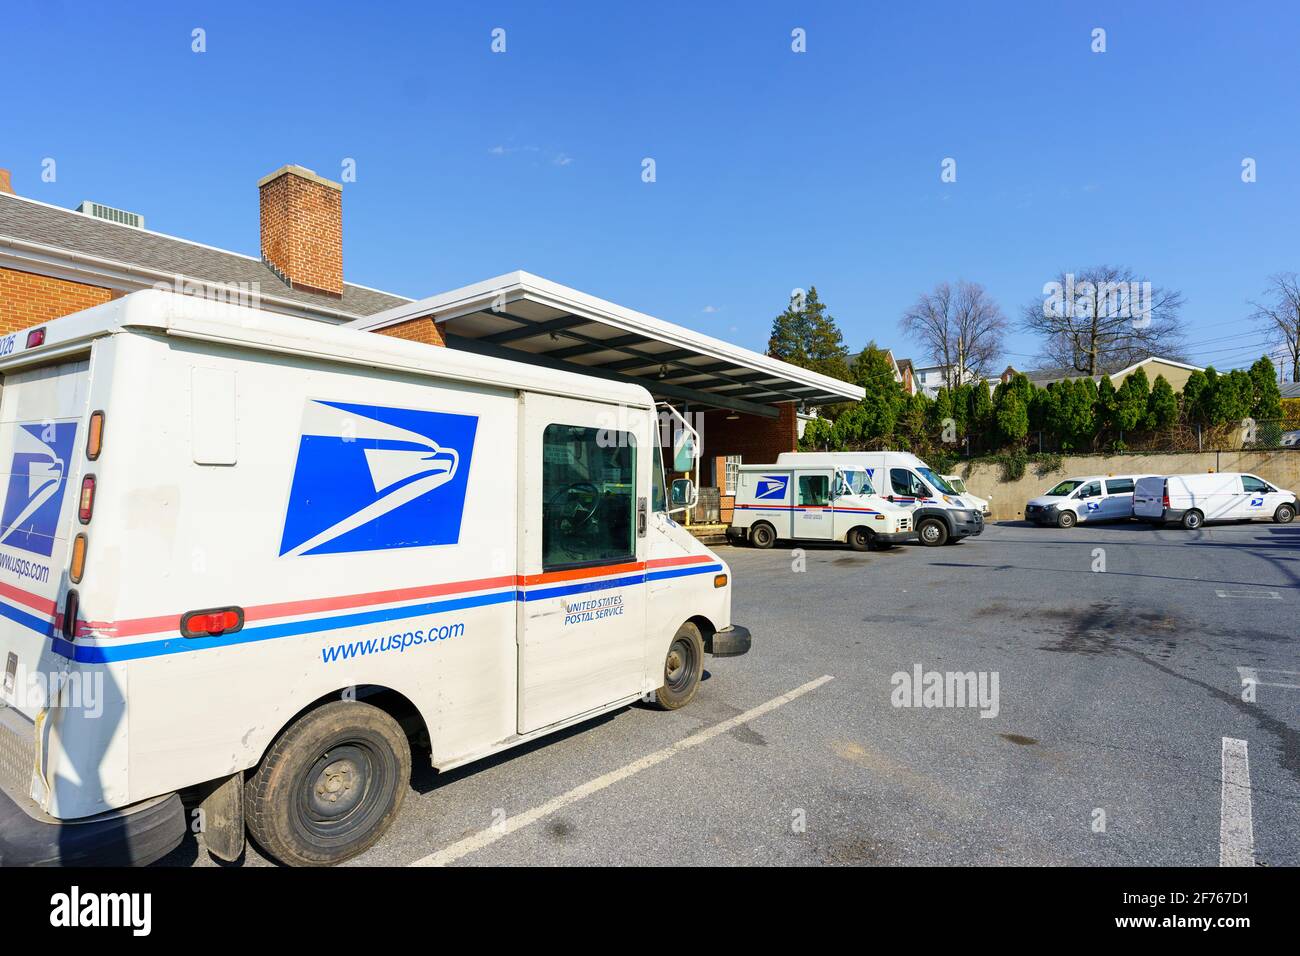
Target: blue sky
x,y
775,170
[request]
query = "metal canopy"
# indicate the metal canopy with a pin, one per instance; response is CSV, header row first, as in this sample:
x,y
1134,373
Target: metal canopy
x,y
526,318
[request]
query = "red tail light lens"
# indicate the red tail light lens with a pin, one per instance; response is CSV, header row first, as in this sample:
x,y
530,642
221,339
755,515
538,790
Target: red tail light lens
x,y
36,337
86,506
212,622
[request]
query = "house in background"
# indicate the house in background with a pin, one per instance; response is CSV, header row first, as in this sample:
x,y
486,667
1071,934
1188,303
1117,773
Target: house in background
x,y
1175,373
928,379
56,261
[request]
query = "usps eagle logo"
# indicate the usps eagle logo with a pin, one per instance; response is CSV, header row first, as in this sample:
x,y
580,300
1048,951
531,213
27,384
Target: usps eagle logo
x,y
771,488
37,479
371,477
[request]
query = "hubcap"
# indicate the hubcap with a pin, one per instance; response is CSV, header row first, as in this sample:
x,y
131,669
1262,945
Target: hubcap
x,y
679,665
931,533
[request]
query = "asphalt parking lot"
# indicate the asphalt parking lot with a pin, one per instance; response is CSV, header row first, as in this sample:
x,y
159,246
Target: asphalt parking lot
x,y
1118,734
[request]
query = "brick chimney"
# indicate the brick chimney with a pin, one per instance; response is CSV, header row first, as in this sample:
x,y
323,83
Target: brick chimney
x,y
302,229
6,183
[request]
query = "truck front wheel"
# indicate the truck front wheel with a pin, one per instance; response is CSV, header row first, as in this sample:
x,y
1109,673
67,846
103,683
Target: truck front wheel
x,y
932,532
330,786
683,668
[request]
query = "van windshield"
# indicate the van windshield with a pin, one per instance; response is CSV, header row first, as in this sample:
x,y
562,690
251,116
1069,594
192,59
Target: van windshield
x,y
858,483
1064,488
935,481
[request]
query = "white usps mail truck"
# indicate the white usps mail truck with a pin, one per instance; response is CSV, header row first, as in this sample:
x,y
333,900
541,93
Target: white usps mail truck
x,y
251,557
939,514
815,503
1192,500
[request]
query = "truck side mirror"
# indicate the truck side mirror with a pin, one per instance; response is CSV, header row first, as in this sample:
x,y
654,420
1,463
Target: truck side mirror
x,y
683,494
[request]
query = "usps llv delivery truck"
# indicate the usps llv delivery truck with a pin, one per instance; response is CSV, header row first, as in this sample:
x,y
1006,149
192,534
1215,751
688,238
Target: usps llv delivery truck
x,y
250,557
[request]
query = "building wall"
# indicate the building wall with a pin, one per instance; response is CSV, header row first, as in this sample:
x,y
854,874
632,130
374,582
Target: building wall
x,y
757,440
416,330
29,299
1007,498
1175,376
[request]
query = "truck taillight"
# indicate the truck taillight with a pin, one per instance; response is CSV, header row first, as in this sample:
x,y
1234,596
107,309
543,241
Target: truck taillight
x,y
86,506
1166,495
78,566
95,435
36,337
212,622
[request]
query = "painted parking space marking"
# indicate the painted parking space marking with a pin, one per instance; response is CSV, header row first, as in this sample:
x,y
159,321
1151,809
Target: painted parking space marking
x,y
1248,595
490,835
1236,828
1269,677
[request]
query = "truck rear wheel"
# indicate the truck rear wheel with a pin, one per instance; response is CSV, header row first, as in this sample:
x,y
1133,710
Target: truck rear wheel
x,y
932,532
330,786
683,668
1192,519
762,536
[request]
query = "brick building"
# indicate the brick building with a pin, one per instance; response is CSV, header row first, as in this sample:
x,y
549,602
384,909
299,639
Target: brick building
x,y
55,261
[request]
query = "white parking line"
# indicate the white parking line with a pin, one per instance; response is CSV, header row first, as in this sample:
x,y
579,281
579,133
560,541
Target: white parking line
x,y
1250,675
490,835
1236,829
1250,595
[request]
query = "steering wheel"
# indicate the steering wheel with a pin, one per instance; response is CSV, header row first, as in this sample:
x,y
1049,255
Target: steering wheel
x,y
578,517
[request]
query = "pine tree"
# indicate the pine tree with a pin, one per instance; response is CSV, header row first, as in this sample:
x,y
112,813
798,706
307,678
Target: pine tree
x,y
1131,400
1162,405
807,336
1267,396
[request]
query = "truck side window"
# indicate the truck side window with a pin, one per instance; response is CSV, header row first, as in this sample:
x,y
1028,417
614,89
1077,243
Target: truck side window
x,y
1119,486
905,483
814,489
658,493
1091,490
1254,485
588,496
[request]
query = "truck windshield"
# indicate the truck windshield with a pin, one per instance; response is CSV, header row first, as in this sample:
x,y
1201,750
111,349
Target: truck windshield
x,y
1064,488
857,483
957,485
935,481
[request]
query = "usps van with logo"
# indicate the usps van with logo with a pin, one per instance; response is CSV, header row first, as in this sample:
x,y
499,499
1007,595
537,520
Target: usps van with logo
x,y
1192,500
939,514
816,503
252,557
1089,499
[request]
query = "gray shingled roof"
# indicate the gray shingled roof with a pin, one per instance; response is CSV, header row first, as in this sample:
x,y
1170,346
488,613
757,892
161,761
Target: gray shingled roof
x,y
1291,389
65,229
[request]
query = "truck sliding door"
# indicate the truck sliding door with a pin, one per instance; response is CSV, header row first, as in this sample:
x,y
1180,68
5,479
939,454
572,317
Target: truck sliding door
x,y
582,614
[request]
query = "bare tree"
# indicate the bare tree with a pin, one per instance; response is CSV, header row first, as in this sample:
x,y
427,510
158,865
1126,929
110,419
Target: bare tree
x,y
1103,319
959,327
1278,316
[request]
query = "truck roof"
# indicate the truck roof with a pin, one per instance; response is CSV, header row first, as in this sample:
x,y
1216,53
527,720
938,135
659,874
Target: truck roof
x,y
195,318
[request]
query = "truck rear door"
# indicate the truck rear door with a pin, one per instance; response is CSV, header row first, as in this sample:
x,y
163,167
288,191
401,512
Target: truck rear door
x,y
42,452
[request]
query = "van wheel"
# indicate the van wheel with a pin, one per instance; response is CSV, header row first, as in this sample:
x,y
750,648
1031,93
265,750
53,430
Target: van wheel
x,y
683,668
860,539
1285,514
330,786
1066,519
762,536
932,532
1193,519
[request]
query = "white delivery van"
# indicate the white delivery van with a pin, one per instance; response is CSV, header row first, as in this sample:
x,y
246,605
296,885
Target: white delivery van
x,y
1091,498
252,554
817,503
1192,500
939,514
958,484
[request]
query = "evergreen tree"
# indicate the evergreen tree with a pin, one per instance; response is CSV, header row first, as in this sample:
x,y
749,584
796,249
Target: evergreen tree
x,y
1193,389
1267,396
807,336
1131,400
1012,415
1107,407
1162,405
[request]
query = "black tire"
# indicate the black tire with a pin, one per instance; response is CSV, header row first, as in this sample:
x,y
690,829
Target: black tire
x,y
683,669
932,532
330,786
1192,519
860,539
762,536
1066,519
1285,514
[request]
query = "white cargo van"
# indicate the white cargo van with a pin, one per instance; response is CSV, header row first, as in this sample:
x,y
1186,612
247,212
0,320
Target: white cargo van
x,y
958,484
1192,500
939,514
254,554
1091,498
815,503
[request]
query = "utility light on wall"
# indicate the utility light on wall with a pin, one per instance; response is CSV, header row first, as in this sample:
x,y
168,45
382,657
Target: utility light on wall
x,y
663,371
